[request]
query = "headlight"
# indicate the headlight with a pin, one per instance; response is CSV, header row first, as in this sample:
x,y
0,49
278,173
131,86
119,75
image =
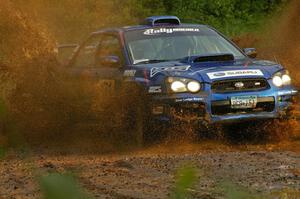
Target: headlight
x,y
286,79
282,79
178,87
277,81
193,86
181,85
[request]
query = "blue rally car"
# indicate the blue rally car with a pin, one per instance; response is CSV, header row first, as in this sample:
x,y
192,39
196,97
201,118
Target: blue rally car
x,y
187,70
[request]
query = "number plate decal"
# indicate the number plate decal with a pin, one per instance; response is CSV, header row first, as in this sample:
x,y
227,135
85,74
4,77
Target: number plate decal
x,y
243,102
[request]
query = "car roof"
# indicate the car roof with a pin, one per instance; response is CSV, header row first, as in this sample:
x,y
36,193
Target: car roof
x,y
152,22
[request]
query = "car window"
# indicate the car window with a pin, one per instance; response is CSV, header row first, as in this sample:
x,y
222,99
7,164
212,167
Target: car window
x,y
86,54
109,46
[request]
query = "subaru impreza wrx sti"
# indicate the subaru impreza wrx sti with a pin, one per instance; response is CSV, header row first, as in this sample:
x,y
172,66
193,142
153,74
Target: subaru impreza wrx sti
x,y
187,70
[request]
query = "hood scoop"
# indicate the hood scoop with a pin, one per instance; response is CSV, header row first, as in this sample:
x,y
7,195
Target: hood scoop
x,y
212,58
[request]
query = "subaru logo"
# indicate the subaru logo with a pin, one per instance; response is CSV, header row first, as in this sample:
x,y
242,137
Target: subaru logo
x,y
239,85
220,74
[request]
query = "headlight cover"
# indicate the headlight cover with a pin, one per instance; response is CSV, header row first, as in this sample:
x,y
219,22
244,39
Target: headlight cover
x,y
178,87
181,85
286,79
193,86
282,79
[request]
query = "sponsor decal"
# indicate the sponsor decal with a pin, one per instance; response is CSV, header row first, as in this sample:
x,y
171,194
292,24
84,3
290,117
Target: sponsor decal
x,y
129,73
169,30
155,89
203,70
157,70
235,73
292,92
194,99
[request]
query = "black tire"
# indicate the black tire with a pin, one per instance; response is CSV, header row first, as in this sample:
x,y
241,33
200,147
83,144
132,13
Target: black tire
x,y
131,115
136,126
142,128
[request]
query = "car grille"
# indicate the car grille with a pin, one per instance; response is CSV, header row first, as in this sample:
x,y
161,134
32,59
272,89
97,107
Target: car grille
x,y
264,104
236,85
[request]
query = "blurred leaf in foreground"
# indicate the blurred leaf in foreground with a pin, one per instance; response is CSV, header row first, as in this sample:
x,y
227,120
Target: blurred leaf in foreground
x,y
2,115
233,191
58,186
2,153
2,108
186,177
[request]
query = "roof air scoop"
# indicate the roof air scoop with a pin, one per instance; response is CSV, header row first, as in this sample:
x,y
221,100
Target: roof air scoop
x,y
162,20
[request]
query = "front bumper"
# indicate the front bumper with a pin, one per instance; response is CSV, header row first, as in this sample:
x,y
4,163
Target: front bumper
x,y
216,107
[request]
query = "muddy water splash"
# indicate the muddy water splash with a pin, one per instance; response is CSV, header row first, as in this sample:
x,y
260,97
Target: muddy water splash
x,y
282,40
282,43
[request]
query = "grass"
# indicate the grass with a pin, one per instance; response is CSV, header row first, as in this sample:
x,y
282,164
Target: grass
x,y
61,186
185,179
2,152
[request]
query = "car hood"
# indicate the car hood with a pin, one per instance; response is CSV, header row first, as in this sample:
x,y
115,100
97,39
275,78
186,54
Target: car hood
x,y
211,71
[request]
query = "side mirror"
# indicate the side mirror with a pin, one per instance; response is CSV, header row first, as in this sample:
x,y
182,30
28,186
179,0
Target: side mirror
x,y
109,61
250,52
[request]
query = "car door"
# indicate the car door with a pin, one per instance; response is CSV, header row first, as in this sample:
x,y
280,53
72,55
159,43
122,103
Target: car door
x,y
109,62
99,61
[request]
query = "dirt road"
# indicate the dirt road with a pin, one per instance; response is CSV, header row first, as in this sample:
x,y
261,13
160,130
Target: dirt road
x,y
222,167
150,173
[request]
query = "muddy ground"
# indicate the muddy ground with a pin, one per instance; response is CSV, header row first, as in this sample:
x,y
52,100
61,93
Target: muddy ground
x,y
269,168
245,166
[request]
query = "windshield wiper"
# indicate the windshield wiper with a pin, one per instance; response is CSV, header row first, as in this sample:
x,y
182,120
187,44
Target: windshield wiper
x,y
149,61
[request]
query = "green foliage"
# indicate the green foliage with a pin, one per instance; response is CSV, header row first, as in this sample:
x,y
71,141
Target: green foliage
x,y
57,186
186,177
72,20
2,109
2,152
230,16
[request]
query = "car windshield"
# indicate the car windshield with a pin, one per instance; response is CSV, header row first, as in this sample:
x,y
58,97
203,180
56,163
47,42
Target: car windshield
x,y
168,44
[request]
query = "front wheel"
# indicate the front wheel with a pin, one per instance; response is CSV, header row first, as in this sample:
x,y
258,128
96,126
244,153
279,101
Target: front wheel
x,y
143,129
131,116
